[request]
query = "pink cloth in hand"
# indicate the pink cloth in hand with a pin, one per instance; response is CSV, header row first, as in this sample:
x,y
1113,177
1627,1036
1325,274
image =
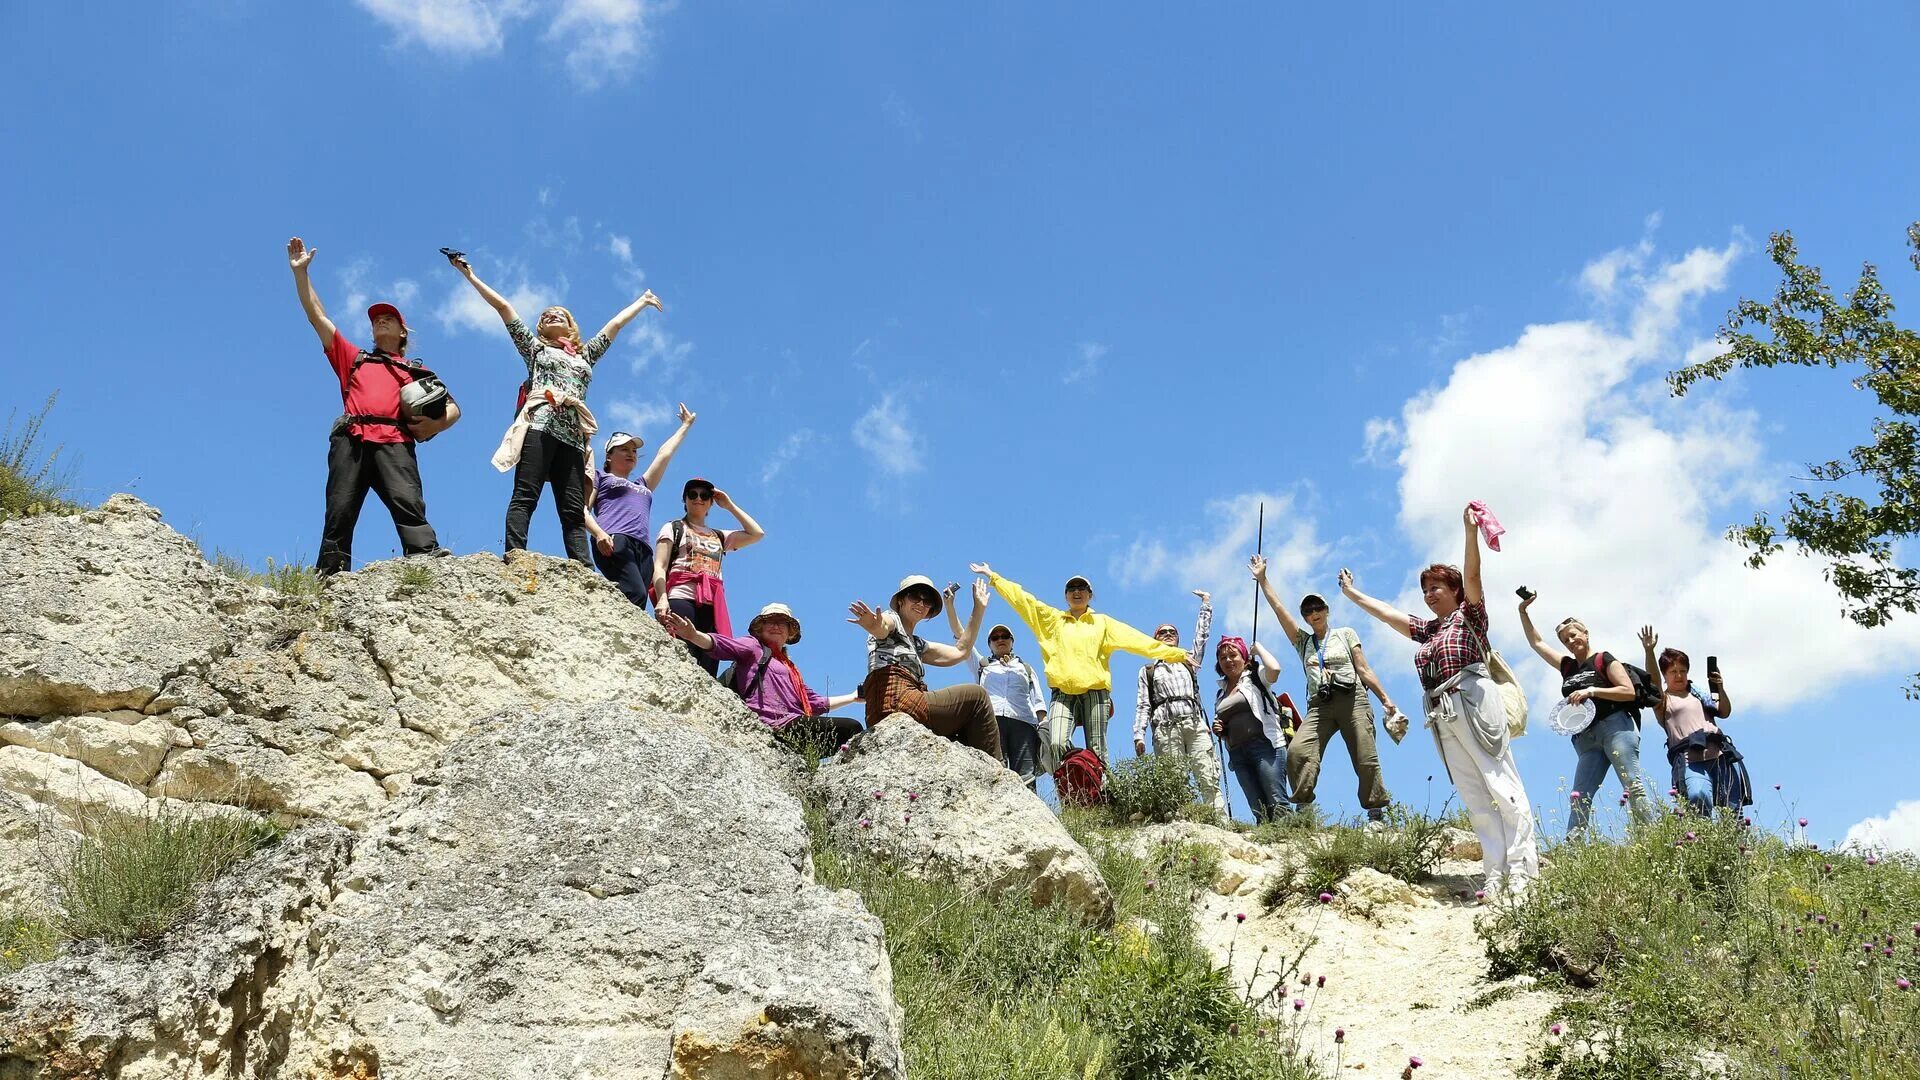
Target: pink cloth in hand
x,y
1490,528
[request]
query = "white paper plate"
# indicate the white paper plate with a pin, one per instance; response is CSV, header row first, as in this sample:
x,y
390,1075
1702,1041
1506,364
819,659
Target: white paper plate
x,y
1570,719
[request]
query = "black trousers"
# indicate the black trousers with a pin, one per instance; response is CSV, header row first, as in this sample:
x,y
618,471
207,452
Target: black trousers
x,y
630,566
701,616
544,461
389,470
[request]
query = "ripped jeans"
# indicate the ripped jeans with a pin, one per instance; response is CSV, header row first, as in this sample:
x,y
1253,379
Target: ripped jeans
x,y
1611,742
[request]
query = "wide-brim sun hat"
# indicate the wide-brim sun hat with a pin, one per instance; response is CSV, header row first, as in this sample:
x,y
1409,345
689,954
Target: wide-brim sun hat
x,y
917,581
777,611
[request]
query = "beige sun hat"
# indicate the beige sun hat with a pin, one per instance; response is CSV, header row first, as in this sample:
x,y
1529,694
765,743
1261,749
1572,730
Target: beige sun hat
x,y
917,581
778,611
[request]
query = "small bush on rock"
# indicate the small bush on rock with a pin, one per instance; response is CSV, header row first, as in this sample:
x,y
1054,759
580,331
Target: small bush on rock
x,y
1409,847
31,481
1154,786
132,877
291,579
26,937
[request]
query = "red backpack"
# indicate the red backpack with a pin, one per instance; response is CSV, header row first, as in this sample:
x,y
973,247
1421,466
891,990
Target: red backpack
x,y
1079,779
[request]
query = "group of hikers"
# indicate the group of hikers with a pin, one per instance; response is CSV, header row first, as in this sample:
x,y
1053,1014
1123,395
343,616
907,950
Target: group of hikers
x,y
1274,749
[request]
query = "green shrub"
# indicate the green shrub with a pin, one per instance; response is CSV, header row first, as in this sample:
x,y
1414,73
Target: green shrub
x,y
31,482
1708,934
292,579
130,877
26,937
1155,786
1408,845
415,576
1290,826
994,987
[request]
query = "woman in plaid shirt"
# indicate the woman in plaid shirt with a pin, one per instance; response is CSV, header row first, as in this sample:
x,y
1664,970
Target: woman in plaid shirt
x,y
1465,712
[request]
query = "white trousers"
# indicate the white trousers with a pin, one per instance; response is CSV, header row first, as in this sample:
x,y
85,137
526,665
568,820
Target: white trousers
x,y
1192,741
1489,784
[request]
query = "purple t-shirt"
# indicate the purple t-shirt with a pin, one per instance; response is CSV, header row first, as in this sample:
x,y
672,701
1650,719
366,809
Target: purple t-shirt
x,y
622,506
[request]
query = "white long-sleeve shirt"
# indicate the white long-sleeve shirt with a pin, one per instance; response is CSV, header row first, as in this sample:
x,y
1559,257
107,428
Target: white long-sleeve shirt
x,y
1012,685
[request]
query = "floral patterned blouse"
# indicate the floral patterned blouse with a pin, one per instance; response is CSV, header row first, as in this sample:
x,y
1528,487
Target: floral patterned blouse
x,y
551,365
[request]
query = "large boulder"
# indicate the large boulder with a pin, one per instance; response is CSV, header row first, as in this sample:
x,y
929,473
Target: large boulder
x,y
217,996
936,808
606,891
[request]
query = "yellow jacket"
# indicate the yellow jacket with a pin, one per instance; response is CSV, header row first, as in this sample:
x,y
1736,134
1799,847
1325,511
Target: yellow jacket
x,y
1076,651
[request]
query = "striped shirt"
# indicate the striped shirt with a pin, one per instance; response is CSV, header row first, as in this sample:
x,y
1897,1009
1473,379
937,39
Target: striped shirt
x,y
1167,692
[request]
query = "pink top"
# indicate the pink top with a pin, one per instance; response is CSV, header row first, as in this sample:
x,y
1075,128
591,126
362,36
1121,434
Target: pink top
x,y
1687,714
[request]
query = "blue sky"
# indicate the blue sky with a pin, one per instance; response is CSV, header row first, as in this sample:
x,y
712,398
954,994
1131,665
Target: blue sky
x,y
1064,293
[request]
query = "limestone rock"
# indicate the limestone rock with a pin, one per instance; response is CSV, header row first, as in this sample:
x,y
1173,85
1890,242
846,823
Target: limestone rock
x,y
1369,893
63,787
1460,845
214,997
102,609
630,897
949,811
128,751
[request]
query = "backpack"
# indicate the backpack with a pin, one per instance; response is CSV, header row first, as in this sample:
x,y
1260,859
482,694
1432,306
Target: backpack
x,y
1289,715
731,677
1080,778
1645,693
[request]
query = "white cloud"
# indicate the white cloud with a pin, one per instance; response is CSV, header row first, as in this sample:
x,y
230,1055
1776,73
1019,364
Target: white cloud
x,y
1090,353
886,434
1602,277
786,454
464,310
1897,830
653,346
603,40
1212,555
1617,495
629,276
642,418
1382,440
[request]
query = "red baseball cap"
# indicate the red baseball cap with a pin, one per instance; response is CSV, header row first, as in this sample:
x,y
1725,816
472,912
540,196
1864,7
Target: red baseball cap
x,y
384,308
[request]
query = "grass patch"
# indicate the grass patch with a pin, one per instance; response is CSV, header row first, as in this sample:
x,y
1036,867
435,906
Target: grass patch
x,y
291,579
1409,846
130,877
32,481
26,937
1301,822
413,575
995,988
1701,934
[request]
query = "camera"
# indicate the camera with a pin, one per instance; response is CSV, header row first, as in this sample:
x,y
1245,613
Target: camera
x,y
1525,593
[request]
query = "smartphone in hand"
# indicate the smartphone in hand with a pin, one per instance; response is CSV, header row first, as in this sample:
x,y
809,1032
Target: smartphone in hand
x,y
1713,666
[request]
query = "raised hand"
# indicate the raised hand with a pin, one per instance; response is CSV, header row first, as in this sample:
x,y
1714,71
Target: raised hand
x,y
1469,519
948,593
981,590
299,254
1648,638
1203,594
1527,600
1346,581
981,568
647,299
687,416
1258,564
722,500
866,618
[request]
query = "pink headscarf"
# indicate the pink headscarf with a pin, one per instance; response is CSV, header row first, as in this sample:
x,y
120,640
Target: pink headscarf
x,y
1238,645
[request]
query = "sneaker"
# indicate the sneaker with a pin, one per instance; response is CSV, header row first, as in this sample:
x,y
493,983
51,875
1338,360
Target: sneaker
x,y
1490,889
1375,825
1517,887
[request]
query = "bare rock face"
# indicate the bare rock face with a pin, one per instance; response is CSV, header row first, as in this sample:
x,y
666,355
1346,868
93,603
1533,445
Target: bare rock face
x,y
937,808
604,891
216,997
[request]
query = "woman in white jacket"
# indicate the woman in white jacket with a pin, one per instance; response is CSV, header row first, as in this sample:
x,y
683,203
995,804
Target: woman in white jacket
x,y
1246,715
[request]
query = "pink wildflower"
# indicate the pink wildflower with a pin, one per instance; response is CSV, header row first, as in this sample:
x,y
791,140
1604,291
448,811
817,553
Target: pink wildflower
x,y
1327,898
1555,1029
1299,1003
1339,1035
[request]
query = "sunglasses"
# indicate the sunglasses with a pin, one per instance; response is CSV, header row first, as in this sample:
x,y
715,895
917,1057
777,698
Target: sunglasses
x,y
701,496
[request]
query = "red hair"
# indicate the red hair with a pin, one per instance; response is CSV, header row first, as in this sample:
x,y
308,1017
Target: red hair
x,y
1448,576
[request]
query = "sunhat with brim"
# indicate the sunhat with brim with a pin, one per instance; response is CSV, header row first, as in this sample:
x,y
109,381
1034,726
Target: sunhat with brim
x,y
777,611
917,581
1082,579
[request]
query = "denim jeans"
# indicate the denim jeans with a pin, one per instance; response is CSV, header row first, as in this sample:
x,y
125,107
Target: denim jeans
x,y
1262,770
1609,742
1020,746
1699,781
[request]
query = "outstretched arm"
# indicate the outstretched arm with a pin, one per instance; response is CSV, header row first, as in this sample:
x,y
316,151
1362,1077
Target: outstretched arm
x,y
664,456
1649,639
1368,679
620,321
749,532
953,614
961,650
1040,618
1470,563
839,701
298,256
1258,564
1120,636
494,300
1546,652
681,627
1376,608
1202,629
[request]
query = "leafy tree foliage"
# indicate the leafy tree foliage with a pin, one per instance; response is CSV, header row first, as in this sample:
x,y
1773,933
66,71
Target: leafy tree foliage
x,y
1861,507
